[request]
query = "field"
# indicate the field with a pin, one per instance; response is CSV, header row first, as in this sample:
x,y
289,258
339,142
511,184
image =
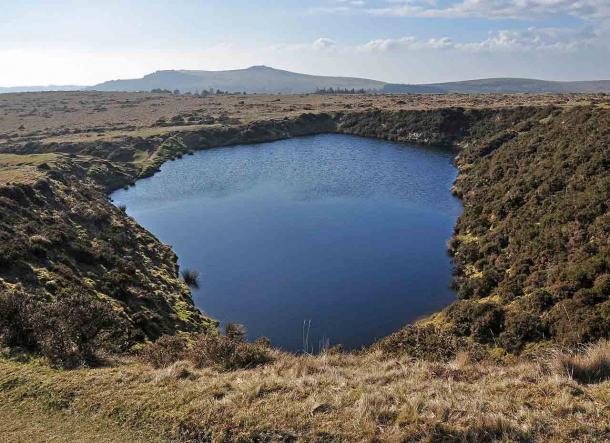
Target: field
x,y
531,256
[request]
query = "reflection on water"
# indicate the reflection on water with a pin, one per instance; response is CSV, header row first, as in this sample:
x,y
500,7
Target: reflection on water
x,y
346,232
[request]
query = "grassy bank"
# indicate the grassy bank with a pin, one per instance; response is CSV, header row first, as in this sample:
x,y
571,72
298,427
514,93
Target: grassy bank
x,y
330,397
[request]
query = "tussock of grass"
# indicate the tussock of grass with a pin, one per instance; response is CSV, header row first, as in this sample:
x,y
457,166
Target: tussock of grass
x,y
226,353
191,278
167,350
592,365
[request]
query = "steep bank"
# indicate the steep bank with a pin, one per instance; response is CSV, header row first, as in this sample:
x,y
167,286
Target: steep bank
x,y
532,241
61,235
531,249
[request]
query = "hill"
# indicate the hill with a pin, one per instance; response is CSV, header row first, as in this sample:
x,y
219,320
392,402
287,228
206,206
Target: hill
x,y
502,85
256,79
264,79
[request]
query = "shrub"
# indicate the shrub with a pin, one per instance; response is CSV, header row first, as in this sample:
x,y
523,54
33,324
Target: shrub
x,y
520,328
73,330
15,320
235,331
191,278
425,342
227,354
590,366
70,332
481,320
167,350
264,342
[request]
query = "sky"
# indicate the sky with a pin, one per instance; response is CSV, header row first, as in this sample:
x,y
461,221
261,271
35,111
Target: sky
x,y
81,42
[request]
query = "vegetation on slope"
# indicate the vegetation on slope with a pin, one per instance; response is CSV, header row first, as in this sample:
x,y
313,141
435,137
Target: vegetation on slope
x,y
60,235
531,249
531,254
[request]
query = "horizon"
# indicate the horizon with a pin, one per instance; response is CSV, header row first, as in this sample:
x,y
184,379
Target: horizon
x,y
73,42
304,73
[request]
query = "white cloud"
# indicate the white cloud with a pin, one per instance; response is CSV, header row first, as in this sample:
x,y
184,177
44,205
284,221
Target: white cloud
x,y
498,9
405,43
388,44
356,3
549,39
323,44
532,39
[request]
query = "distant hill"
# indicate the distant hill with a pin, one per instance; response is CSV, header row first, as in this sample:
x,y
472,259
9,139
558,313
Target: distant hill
x,y
501,85
256,79
263,79
5,90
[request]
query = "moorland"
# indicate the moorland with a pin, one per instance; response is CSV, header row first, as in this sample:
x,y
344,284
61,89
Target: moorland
x,y
103,342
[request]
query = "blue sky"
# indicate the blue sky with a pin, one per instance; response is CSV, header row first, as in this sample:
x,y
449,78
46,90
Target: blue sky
x,y
84,42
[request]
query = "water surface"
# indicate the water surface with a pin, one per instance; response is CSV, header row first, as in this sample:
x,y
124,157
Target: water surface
x,y
346,234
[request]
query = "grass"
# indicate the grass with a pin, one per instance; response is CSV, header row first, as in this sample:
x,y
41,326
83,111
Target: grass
x,y
589,366
11,160
114,134
191,278
331,397
97,116
16,168
28,425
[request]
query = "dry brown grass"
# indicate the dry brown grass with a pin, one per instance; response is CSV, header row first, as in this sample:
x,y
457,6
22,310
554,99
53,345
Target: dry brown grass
x,y
22,168
590,365
91,116
330,397
31,425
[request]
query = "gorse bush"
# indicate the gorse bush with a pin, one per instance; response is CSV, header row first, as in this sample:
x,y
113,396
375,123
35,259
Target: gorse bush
x,y
428,343
167,350
223,352
482,321
70,332
15,320
226,354
235,331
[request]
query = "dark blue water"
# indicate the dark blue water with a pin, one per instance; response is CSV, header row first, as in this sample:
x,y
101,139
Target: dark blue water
x,y
347,234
